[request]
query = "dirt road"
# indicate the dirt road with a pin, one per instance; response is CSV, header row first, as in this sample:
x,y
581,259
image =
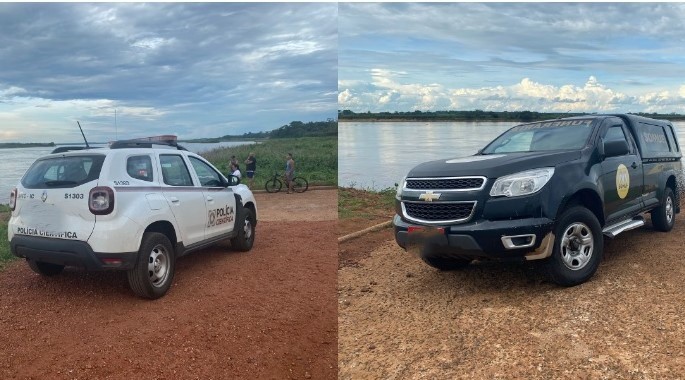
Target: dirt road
x,y
268,313
399,318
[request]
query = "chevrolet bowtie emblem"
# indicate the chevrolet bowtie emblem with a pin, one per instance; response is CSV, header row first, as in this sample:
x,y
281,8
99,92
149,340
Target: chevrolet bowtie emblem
x,y
429,196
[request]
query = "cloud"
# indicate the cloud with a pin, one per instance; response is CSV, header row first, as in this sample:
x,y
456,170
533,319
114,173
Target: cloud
x,y
166,65
506,56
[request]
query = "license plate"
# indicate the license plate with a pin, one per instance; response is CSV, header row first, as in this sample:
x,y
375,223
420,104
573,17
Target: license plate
x,y
425,230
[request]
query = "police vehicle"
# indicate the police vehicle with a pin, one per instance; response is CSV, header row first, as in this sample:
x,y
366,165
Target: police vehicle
x,y
136,206
548,191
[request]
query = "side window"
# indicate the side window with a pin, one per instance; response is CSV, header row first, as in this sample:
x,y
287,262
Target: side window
x,y
672,140
208,176
139,167
174,170
615,133
654,139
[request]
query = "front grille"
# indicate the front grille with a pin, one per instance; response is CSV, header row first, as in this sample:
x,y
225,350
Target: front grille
x,y
440,211
464,183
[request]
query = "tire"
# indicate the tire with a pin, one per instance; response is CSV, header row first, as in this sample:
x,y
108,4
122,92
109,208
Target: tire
x,y
153,272
300,185
273,185
663,217
245,226
45,269
578,247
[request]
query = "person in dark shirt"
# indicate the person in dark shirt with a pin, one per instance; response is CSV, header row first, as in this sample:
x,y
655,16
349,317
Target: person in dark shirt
x,y
251,167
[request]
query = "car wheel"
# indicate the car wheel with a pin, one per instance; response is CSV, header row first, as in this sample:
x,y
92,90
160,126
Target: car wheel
x,y
245,227
153,272
663,217
578,247
45,269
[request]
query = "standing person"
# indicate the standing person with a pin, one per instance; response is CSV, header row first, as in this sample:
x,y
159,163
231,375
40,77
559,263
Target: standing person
x,y
250,167
235,170
234,161
289,171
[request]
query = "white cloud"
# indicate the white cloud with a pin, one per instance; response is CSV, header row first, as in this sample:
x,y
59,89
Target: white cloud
x,y
387,94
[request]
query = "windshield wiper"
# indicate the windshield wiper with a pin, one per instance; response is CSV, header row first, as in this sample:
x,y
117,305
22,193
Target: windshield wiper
x,y
60,183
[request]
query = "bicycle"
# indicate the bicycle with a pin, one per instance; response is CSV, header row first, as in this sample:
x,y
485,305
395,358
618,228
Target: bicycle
x,y
274,185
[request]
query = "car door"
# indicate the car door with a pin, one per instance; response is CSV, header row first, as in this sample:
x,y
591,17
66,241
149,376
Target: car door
x,y
185,198
219,199
622,176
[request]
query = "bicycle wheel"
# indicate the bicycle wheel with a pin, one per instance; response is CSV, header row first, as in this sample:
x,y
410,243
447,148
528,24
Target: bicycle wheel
x,y
273,185
300,185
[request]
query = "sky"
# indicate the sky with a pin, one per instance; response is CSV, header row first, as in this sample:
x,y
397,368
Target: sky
x,y
554,57
193,69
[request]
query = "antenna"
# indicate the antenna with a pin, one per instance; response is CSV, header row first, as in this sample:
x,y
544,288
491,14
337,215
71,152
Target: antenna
x,y
84,136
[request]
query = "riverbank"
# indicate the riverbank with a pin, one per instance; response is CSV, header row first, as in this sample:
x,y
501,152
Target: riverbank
x,y
316,159
400,318
25,145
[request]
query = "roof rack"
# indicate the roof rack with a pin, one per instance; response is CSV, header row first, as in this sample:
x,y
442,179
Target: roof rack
x,y
62,149
147,142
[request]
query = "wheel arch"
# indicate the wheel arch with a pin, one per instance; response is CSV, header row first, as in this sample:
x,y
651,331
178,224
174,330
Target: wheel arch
x,y
587,198
163,227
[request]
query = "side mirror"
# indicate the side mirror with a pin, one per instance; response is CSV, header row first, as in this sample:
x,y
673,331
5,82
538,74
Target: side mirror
x,y
233,180
616,148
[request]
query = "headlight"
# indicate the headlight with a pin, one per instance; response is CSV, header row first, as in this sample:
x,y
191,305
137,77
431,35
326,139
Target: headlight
x,y
523,183
400,186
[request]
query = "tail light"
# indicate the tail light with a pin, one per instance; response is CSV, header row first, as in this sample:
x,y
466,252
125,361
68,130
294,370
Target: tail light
x,y
13,199
101,200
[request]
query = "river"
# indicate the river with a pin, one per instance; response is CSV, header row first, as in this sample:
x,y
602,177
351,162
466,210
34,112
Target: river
x,y
15,161
376,155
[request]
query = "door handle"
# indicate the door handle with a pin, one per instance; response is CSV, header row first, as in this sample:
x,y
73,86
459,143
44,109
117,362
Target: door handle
x,y
173,199
209,199
634,165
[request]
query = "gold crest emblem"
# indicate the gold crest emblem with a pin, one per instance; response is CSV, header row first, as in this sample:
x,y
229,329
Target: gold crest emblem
x,y
429,196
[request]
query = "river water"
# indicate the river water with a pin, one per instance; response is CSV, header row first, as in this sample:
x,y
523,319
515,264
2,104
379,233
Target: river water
x,y
14,162
377,155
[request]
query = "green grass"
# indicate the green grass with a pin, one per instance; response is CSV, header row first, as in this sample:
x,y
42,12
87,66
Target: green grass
x,y
366,204
316,159
5,255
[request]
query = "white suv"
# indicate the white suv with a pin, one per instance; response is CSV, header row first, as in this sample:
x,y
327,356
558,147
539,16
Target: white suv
x,y
135,206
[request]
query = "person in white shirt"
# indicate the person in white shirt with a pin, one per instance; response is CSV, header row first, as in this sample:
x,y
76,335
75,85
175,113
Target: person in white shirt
x,y
235,170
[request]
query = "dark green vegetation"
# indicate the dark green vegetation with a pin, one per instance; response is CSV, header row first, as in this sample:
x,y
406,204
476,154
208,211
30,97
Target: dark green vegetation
x,y
5,255
477,115
316,159
367,204
24,145
294,129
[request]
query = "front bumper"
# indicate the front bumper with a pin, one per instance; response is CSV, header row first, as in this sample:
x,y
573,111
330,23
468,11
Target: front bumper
x,y
479,239
69,253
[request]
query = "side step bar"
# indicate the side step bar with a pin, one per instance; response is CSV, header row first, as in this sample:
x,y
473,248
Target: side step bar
x,y
622,226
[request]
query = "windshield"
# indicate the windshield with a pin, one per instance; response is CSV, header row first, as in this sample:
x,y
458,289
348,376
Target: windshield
x,y
63,172
543,136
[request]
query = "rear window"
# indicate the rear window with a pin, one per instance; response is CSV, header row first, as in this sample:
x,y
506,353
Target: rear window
x,y
63,172
139,167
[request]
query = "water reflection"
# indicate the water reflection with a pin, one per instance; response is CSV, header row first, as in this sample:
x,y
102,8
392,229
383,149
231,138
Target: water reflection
x,y
377,155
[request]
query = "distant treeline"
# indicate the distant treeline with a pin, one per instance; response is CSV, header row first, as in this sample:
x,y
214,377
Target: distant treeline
x,y
477,115
25,145
292,130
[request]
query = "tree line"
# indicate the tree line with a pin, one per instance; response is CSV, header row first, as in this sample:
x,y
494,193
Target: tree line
x,y
291,130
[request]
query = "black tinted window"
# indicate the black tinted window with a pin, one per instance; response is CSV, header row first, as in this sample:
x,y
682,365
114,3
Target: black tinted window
x,y
654,139
615,133
140,167
63,172
174,170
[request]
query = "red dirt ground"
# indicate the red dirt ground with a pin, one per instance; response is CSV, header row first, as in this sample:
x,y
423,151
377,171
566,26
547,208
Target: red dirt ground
x,y
268,313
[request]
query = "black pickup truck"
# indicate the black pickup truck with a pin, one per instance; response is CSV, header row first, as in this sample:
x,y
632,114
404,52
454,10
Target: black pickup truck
x,y
545,191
